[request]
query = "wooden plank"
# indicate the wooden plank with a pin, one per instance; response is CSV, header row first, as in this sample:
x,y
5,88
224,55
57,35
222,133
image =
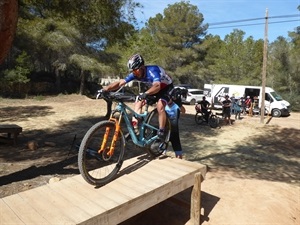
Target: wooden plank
x,y
24,211
42,202
81,201
104,195
161,173
128,185
98,196
7,215
180,164
163,169
136,162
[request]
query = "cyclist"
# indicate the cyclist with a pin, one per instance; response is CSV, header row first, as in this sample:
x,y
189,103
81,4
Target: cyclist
x,y
204,104
161,86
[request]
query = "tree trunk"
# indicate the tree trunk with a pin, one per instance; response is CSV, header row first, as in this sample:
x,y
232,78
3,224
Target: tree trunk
x,y
58,80
82,81
8,25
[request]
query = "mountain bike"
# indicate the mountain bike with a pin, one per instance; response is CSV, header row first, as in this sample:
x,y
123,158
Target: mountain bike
x,y
213,120
102,149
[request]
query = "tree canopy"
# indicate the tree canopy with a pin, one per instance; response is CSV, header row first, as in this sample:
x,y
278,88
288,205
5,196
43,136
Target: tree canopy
x,y
85,40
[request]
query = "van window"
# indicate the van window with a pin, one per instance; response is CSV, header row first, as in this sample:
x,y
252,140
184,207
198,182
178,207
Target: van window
x,y
276,96
197,92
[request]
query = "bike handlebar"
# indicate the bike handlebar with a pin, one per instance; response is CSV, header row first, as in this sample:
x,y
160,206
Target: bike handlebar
x,y
119,96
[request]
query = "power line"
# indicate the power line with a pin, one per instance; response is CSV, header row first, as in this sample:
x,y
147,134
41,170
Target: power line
x,y
260,18
251,24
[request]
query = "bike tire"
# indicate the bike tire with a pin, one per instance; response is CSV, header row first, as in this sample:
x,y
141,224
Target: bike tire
x,y
99,169
199,119
152,119
213,121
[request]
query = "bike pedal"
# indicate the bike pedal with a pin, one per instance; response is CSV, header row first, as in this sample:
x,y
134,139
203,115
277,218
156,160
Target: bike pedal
x,y
163,146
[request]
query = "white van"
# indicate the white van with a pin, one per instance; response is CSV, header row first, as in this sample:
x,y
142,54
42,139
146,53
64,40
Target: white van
x,y
274,103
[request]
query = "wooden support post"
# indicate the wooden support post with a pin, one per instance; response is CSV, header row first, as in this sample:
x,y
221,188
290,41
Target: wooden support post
x,y
195,213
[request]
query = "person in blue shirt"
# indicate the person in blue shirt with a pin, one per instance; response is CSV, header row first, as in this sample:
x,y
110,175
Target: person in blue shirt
x,y
173,109
161,86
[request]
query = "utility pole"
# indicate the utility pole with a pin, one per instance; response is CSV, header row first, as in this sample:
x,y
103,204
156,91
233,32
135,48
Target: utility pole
x,y
264,71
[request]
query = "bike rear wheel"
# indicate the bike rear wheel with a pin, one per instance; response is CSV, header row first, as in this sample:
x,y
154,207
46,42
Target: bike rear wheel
x,y
199,118
100,168
152,119
213,121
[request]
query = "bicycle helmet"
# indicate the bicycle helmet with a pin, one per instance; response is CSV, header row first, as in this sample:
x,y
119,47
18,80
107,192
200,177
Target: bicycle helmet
x,y
176,93
135,62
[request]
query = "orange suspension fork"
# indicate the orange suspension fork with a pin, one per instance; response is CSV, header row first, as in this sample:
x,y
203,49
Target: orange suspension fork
x,y
111,149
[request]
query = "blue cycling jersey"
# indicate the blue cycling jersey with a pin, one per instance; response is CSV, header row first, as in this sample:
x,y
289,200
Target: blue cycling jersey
x,y
153,74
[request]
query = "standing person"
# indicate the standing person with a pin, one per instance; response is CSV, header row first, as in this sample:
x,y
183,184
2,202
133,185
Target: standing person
x,y
237,109
249,106
161,85
227,109
243,105
204,104
232,99
173,109
248,102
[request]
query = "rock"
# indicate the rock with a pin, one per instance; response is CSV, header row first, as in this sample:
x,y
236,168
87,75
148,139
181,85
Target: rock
x,y
54,179
51,144
32,145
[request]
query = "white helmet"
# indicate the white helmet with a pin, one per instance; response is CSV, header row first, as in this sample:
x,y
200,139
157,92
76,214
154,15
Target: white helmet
x,y
135,62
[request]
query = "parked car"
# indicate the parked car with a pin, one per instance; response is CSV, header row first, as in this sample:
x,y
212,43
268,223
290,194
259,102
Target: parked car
x,y
187,86
193,96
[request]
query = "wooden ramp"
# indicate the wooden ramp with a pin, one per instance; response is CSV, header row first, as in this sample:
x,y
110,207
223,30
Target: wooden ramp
x,y
141,184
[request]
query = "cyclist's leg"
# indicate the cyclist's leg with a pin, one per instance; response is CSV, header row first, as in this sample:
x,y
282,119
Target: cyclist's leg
x,y
162,117
205,114
138,105
163,97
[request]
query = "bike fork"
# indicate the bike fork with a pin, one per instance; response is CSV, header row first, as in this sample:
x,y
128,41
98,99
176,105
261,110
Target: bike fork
x,y
110,150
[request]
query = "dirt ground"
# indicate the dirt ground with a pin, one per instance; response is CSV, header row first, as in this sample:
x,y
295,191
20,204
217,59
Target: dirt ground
x,y
253,168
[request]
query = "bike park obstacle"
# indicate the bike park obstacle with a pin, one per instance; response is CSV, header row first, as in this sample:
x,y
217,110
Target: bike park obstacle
x,y
139,185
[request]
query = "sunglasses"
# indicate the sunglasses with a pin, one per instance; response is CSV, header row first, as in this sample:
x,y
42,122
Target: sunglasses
x,y
136,72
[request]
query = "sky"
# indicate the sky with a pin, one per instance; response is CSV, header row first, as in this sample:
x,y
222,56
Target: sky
x,y
216,11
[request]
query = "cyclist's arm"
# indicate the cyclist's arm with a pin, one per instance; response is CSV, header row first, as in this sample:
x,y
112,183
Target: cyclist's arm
x,y
208,104
115,86
154,88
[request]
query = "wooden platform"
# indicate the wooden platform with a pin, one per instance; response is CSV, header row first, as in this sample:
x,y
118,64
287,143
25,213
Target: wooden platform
x,y
141,184
12,131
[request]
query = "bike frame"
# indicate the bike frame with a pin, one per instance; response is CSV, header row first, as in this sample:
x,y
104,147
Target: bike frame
x,y
139,140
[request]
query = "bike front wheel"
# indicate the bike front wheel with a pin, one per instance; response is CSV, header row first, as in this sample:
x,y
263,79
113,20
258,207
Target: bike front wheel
x,y
199,119
100,167
213,121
